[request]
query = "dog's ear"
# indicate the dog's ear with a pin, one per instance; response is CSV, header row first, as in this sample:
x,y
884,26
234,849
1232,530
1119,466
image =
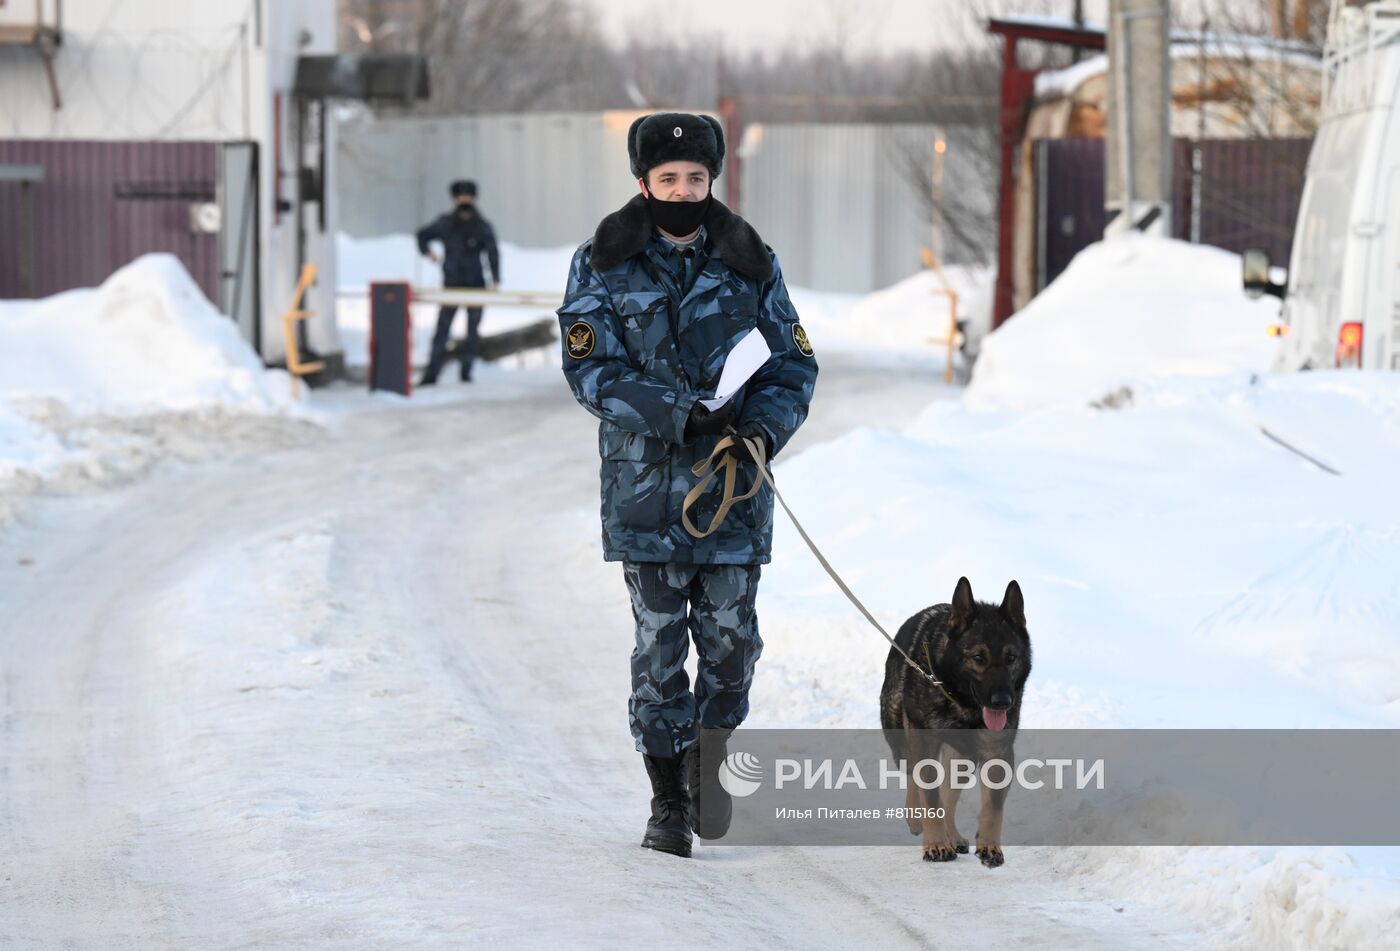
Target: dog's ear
x,y
964,609
1013,608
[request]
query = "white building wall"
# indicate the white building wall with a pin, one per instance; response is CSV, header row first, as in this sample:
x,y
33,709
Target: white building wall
x,y
139,70
306,27
173,70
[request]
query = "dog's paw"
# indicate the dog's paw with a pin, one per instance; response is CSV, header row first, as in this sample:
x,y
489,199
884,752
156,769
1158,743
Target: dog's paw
x,y
962,845
991,855
940,852
915,826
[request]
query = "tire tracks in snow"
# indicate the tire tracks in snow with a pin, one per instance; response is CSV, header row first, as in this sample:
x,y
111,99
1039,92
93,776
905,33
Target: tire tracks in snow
x,y
451,762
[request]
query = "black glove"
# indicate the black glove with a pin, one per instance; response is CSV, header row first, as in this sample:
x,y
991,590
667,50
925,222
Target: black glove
x,y
755,431
704,422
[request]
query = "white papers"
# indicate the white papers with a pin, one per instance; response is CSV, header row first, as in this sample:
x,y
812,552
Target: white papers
x,y
748,355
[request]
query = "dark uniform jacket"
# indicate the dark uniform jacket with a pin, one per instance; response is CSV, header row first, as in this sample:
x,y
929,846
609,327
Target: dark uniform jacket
x,y
644,337
464,240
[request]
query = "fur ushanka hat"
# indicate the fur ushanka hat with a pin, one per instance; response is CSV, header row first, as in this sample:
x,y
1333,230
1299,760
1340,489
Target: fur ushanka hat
x,y
675,137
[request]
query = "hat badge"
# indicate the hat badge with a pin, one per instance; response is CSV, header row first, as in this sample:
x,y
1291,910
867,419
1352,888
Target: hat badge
x,y
676,132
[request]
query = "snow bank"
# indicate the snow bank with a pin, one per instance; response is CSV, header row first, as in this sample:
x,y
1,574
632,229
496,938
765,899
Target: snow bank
x,y
26,447
79,368
1126,312
1151,542
1287,899
910,317
1180,568
146,339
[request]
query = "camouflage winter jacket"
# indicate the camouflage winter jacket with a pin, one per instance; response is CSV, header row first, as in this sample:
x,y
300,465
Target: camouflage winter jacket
x,y
640,349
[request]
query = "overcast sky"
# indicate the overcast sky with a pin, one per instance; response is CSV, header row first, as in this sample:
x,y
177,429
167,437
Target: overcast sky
x,y
763,24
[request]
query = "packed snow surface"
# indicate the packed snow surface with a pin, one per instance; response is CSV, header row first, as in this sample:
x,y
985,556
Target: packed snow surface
x,y
371,690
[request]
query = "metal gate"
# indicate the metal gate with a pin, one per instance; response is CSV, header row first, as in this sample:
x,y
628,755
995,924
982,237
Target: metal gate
x,y
99,205
1070,212
1250,191
239,288
1230,193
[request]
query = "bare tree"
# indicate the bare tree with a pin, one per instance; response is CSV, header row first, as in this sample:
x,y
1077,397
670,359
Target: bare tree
x,y
1259,81
960,92
1259,77
519,55
1260,63
483,55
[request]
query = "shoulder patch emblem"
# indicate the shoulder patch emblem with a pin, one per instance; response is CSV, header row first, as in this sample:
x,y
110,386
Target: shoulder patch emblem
x,y
580,340
799,337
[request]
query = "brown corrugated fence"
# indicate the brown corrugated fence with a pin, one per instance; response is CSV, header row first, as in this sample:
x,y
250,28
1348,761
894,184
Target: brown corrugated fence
x,y
102,204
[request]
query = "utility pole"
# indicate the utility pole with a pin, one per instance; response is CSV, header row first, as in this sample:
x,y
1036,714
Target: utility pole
x,y
1197,169
1137,194
1077,53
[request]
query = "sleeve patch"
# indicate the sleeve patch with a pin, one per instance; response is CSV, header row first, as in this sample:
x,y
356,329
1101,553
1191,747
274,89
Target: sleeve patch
x,y
580,339
799,337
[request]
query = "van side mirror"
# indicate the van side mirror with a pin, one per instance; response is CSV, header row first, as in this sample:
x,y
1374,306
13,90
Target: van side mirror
x,y
1256,266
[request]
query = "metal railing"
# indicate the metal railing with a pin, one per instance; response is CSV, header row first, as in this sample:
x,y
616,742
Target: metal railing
x,y
474,297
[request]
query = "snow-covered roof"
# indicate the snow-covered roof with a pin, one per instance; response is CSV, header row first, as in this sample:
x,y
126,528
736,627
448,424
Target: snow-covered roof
x,y
1051,23
1051,84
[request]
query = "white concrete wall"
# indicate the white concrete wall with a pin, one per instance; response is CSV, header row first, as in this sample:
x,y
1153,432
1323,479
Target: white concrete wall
x,y
172,70
293,28
139,70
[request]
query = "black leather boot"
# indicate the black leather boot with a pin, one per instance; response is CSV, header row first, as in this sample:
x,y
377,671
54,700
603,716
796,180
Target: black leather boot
x,y
668,829
711,806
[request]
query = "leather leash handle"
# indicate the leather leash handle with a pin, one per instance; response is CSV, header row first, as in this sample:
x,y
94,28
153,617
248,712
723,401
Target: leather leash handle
x,y
720,458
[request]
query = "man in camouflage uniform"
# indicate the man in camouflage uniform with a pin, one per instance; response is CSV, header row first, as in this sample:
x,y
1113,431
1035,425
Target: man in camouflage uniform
x,y
656,299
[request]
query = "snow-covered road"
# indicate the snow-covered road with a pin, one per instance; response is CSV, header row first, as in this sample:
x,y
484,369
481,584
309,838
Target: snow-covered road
x,y
371,692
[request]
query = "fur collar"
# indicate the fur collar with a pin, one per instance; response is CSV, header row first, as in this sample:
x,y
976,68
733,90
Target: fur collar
x,y
624,233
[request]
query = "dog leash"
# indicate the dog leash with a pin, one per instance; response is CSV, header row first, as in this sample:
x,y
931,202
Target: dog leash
x,y
939,683
720,458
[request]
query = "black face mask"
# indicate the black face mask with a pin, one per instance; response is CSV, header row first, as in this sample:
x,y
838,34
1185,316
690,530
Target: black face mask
x,y
679,218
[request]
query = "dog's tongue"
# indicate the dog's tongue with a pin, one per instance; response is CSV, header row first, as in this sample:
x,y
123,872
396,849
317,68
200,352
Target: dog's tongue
x,y
995,719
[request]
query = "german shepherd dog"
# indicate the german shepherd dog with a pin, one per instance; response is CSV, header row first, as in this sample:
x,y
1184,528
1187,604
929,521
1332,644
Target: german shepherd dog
x,y
981,654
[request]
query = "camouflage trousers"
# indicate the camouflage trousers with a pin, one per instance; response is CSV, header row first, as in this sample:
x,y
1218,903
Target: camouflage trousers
x,y
672,603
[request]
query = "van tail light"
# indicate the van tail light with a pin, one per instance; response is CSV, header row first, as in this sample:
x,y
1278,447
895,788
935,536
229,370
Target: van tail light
x,y
1349,346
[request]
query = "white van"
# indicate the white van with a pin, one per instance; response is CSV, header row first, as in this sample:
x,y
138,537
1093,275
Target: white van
x,y
1341,297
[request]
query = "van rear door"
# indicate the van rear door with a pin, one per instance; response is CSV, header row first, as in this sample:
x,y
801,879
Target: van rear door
x,y
1387,323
